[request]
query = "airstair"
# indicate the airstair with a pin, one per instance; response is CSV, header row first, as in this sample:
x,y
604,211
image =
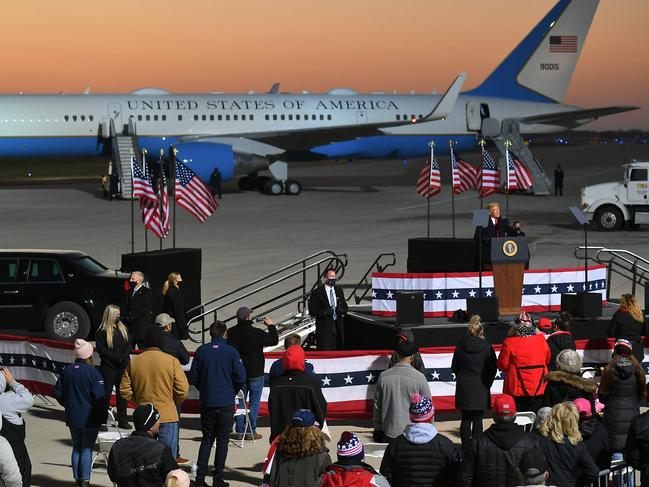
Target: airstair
x,y
123,148
510,132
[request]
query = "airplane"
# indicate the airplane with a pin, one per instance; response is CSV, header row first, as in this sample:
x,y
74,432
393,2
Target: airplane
x,y
242,134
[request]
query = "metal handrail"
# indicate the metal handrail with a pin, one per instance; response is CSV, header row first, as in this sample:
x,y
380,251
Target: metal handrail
x,y
618,257
338,261
363,281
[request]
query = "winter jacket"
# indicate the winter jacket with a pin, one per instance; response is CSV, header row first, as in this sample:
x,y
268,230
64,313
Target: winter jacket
x,y
392,397
250,343
174,305
491,459
596,440
168,343
116,358
217,372
14,402
557,341
302,472
636,450
352,475
525,362
9,472
421,457
474,365
294,390
622,325
80,390
568,463
563,386
155,377
621,400
140,461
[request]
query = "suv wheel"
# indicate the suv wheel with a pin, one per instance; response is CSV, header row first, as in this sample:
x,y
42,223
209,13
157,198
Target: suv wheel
x,y
67,321
609,218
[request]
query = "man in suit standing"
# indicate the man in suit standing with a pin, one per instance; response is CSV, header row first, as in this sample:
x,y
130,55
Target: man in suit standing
x,y
138,309
496,227
327,304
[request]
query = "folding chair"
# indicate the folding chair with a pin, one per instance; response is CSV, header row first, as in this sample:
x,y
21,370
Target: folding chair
x,y
242,410
106,439
375,450
525,419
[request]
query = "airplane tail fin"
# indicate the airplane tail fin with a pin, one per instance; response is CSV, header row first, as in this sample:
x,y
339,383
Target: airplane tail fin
x,y
541,66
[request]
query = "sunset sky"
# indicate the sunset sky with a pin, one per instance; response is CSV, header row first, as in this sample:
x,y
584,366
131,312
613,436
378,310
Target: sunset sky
x,y
367,45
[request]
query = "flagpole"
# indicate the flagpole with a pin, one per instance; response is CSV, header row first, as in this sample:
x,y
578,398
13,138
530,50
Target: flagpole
x,y
132,205
507,144
145,168
161,196
174,151
482,143
450,144
430,176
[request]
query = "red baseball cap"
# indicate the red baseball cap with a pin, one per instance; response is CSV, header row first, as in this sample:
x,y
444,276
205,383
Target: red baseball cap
x,y
504,405
545,324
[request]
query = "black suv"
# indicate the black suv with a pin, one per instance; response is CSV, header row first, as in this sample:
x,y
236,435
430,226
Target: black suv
x,y
60,292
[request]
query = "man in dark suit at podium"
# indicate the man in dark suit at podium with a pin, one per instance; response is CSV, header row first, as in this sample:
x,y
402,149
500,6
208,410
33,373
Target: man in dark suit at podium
x,y
327,304
497,226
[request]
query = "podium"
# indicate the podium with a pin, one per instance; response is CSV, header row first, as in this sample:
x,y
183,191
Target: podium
x,y
509,255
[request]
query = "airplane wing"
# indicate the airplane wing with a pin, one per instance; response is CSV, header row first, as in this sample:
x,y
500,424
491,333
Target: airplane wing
x,y
571,117
305,139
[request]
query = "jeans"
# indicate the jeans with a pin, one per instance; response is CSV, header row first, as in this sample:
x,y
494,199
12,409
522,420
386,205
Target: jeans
x,y
626,479
168,436
83,442
252,388
216,423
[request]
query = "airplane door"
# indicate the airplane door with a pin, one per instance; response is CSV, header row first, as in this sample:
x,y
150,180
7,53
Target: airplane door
x,y
637,186
361,116
473,118
115,112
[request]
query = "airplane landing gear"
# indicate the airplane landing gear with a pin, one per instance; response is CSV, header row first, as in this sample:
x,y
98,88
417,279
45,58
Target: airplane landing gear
x,y
276,185
292,187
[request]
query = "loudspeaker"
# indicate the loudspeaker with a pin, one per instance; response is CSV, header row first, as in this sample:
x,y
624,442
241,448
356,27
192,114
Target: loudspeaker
x,y
486,308
156,266
582,305
410,308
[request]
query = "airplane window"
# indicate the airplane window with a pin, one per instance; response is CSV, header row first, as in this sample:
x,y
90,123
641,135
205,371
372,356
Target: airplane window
x,y
267,117
155,117
139,118
180,117
252,117
235,117
243,117
90,117
220,117
412,117
282,117
421,116
164,117
204,117
398,117
328,117
314,117
196,117
66,118
227,117
74,118
212,118
321,117
274,117
148,117
83,118
405,117
290,117
297,117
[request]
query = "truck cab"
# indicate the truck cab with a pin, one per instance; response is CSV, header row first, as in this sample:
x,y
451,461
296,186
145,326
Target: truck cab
x,y
610,205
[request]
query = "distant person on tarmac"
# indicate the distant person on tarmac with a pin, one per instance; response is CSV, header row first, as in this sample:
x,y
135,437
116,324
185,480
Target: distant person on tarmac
x,y
558,181
215,182
113,186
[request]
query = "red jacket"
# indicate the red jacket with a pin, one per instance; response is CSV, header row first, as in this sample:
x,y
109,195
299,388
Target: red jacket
x,y
525,362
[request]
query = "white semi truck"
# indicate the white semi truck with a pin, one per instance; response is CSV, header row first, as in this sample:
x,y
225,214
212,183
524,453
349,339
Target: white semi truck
x,y
610,205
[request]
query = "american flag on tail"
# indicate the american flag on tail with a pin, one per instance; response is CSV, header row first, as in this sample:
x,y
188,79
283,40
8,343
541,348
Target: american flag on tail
x,y
430,181
465,176
149,206
192,193
518,176
489,176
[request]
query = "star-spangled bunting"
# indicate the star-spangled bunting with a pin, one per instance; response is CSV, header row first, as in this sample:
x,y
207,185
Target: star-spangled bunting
x,y
465,176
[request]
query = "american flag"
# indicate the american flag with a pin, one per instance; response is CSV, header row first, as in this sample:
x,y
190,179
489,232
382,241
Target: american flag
x,y
165,202
489,177
563,43
430,181
142,187
143,190
192,193
465,176
518,176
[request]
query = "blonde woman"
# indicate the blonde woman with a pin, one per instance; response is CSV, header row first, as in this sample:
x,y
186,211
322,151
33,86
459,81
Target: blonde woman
x,y
564,449
629,323
114,349
174,304
474,366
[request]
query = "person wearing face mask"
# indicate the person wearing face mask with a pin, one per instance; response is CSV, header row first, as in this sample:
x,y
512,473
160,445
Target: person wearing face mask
x,y
174,304
138,309
328,306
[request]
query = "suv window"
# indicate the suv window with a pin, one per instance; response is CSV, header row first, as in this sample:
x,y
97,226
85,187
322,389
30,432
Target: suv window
x,y
44,270
8,270
90,265
639,174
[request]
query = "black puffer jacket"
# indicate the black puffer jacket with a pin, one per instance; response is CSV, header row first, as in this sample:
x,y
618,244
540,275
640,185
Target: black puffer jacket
x,y
474,364
636,450
421,457
491,459
568,463
563,386
596,440
621,393
557,341
622,325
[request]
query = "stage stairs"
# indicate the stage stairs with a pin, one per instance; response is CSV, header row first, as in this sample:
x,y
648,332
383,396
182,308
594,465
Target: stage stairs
x,y
510,132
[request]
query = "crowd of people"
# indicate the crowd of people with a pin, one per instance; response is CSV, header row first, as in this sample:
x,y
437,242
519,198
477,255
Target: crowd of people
x,y
581,426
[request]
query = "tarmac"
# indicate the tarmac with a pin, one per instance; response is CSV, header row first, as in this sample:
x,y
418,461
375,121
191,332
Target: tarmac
x,y
360,208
